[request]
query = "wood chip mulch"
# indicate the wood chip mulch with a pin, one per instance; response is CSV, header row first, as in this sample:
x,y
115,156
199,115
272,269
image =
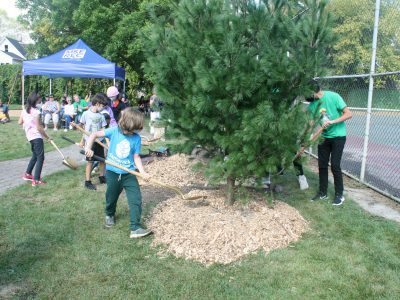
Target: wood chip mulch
x,y
207,230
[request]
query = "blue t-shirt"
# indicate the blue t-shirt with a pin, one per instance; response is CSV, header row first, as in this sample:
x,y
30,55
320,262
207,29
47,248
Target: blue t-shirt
x,y
122,148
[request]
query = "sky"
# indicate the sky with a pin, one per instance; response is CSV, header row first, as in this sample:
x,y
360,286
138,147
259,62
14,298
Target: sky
x,y
9,7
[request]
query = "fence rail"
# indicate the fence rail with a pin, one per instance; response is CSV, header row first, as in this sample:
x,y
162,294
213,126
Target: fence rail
x,y
365,71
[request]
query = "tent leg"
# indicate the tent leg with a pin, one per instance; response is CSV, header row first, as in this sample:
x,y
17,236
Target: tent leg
x,y
23,90
114,81
50,86
124,86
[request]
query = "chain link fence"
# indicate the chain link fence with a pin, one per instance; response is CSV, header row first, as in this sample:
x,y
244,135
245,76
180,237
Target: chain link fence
x,y
365,68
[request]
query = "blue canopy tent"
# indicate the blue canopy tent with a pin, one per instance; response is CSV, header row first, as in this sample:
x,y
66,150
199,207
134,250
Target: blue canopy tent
x,y
77,60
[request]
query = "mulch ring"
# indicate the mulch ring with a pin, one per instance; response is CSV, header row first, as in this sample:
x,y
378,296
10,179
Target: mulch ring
x,y
209,231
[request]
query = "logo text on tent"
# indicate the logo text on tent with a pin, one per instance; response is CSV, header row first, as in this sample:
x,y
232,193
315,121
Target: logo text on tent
x,y
74,54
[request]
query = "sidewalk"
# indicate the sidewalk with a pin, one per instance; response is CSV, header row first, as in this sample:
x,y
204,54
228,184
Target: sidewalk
x,y
12,170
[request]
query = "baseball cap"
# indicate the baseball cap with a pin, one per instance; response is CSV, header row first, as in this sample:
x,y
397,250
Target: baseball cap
x,y
112,91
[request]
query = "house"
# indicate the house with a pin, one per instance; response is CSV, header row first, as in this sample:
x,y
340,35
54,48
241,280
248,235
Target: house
x,y
11,51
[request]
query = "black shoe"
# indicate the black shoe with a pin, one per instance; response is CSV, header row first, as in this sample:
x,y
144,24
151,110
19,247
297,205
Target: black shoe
x,y
102,179
339,199
89,185
319,196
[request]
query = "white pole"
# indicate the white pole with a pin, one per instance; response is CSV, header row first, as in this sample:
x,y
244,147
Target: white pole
x,y
370,90
50,86
124,86
23,90
114,81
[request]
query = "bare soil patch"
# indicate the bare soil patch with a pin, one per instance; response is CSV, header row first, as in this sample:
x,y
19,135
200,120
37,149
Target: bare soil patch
x,y
209,231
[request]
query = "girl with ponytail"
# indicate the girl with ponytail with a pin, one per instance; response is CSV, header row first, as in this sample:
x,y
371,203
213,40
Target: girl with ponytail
x,y
30,120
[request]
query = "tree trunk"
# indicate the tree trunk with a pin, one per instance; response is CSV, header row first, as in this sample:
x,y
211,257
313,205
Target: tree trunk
x,y
230,197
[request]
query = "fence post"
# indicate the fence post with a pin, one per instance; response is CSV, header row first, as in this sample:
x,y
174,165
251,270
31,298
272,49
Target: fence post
x,y
370,90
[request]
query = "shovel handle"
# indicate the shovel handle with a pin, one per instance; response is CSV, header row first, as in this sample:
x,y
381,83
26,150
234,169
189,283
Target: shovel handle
x,y
55,146
69,140
88,134
111,163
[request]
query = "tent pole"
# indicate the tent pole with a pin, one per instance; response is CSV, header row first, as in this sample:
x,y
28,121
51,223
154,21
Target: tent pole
x,y
124,86
23,90
114,81
50,86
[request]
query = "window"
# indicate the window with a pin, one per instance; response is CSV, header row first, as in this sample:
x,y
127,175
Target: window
x,y
6,48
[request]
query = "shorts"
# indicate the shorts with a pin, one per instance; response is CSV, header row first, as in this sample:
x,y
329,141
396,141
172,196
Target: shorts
x,y
98,150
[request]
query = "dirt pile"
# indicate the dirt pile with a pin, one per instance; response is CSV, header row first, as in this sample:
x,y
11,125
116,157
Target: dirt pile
x,y
209,231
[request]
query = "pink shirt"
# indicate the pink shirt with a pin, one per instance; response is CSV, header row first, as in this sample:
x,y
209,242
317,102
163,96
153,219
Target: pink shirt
x,y
29,124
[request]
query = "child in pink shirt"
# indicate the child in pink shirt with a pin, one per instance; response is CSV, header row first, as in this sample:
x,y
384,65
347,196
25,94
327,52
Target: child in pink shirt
x,y
30,119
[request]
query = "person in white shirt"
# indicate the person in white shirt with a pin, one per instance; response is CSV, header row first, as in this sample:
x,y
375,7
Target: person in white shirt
x,y
69,113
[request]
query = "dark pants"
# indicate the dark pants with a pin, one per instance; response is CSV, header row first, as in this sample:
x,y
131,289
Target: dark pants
x,y
115,184
68,120
331,148
37,158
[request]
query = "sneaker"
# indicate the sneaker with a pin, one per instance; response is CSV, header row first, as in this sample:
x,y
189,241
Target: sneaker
x,y
102,179
27,177
266,182
339,199
319,196
110,221
139,233
303,182
70,127
89,185
38,182
65,130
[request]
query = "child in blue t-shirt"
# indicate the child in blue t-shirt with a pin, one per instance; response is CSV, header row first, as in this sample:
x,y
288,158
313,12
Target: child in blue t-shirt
x,y
124,150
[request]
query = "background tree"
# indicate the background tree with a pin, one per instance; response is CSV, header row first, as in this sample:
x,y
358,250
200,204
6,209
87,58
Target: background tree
x,y
354,24
112,28
229,72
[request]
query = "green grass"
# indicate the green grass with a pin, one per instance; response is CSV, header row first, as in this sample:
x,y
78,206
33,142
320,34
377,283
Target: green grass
x,y
15,145
15,106
53,245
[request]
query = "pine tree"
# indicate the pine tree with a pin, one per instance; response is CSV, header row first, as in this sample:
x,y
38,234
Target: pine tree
x,y
229,73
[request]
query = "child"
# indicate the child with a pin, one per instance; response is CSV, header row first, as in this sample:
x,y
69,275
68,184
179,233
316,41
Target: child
x,y
124,150
30,119
4,117
93,121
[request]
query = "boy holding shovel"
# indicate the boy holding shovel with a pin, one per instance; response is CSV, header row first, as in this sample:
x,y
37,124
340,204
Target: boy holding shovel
x,y
124,150
94,121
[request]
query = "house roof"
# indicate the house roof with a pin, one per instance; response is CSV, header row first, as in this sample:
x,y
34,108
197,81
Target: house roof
x,y
17,45
13,55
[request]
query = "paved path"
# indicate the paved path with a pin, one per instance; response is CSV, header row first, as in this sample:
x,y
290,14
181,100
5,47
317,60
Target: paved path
x,y
12,170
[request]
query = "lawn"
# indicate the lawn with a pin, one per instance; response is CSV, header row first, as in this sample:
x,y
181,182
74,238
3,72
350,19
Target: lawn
x,y
15,145
53,245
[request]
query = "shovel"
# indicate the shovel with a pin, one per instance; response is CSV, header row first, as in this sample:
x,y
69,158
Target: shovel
x,y
67,161
154,181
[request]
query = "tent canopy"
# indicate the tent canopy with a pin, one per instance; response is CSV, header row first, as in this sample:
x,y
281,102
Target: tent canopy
x,y
77,60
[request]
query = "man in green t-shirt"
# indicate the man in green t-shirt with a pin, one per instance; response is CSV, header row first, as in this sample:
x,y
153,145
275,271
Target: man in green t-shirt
x,y
80,106
332,111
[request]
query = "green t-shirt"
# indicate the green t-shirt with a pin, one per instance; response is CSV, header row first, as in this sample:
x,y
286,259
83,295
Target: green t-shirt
x,y
334,104
78,106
